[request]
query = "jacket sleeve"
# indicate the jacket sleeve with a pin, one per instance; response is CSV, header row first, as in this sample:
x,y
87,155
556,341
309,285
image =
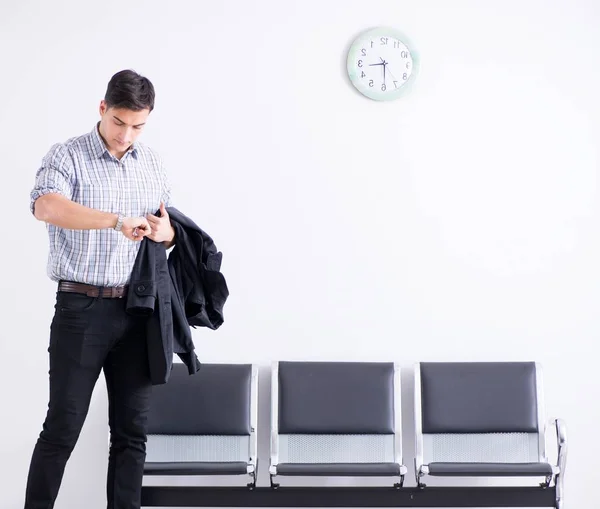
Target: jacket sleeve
x,y
196,264
212,281
142,295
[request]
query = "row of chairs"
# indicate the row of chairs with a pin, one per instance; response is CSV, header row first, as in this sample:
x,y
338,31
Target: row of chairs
x,y
329,419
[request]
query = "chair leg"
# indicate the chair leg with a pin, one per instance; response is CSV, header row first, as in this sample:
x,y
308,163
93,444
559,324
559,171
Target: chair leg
x,y
274,485
252,484
419,474
547,482
399,484
558,481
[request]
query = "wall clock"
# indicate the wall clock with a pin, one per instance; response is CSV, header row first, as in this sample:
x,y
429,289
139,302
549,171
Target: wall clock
x,y
382,64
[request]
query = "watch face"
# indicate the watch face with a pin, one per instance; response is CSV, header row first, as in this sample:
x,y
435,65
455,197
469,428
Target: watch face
x,y
382,64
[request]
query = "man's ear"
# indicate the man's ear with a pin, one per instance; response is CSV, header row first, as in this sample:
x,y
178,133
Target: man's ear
x,y
103,107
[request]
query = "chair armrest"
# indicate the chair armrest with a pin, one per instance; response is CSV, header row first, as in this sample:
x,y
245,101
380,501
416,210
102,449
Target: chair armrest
x,y
274,453
561,437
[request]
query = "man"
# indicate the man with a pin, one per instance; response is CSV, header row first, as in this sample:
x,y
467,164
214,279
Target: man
x,y
98,194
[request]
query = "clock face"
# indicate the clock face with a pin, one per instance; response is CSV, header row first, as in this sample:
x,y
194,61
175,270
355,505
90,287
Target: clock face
x,y
382,64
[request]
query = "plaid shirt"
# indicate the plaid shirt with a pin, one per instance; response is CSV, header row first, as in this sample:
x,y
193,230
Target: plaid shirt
x,y
83,170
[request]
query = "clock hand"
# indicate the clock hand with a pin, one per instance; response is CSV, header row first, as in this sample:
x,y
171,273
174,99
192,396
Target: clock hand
x,y
384,63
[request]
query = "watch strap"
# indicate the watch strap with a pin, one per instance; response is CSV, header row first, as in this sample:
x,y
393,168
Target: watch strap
x,y
120,220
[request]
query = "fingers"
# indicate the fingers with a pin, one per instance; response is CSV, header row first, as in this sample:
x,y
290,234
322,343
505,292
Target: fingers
x,y
163,214
136,228
139,234
134,235
140,227
143,224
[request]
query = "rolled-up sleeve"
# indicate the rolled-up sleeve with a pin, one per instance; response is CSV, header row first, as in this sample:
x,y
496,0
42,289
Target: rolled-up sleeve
x,y
54,175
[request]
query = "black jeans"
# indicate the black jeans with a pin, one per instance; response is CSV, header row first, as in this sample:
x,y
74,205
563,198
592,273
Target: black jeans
x,y
88,335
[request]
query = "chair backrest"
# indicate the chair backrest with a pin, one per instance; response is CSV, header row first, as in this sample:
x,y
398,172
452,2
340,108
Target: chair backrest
x,y
479,412
335,412
208,416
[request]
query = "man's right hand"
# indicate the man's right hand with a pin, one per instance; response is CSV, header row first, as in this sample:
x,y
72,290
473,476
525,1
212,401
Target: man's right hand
x,y
135,228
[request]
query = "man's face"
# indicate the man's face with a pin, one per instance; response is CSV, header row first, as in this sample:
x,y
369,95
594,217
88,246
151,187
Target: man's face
x,y
120,127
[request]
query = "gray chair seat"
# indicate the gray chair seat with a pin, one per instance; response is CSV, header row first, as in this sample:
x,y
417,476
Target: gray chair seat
x,y
484,419
195,468
490,469
333,419
339,469
204,424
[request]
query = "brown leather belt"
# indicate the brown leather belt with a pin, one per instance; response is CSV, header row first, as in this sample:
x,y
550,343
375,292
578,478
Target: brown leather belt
x,y
111,292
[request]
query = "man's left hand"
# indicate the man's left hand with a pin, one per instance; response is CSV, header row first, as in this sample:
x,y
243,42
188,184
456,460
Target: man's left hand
x,y
161,229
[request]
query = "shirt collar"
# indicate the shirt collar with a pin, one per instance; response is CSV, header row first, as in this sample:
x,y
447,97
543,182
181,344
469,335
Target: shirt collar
x,y
99,147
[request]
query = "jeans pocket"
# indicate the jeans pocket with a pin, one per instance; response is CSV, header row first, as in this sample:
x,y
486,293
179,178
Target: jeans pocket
x,y
72,303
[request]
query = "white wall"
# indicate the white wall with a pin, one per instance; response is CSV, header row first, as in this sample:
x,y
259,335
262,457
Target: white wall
x,y
457,223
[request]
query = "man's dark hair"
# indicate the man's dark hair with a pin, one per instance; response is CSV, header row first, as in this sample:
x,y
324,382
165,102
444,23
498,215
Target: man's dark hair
x,y
127,89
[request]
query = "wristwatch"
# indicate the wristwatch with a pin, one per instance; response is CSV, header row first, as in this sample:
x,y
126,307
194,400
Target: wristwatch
x,y
119,224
